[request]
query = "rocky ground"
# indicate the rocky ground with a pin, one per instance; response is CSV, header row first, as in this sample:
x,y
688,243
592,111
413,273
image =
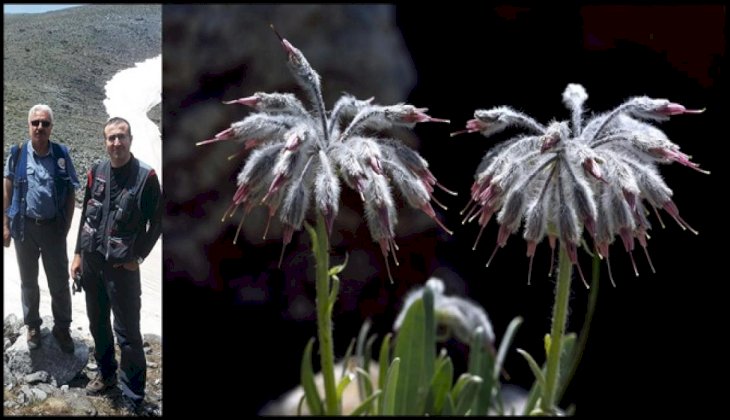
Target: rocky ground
x,y
40,393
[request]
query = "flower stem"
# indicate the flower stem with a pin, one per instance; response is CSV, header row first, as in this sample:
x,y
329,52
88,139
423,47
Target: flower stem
x,y
324,316
583,337
560,318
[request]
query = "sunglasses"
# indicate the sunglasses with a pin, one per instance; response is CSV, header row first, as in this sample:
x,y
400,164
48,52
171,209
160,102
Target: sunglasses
x,y
43,123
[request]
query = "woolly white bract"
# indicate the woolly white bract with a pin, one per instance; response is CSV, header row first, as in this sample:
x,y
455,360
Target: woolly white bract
x,y
301,155
600,175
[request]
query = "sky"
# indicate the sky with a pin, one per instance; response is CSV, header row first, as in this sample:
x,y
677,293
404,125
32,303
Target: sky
x,y
35,8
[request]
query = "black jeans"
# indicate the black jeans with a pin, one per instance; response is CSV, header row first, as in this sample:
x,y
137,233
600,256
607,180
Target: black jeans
x,y
116,290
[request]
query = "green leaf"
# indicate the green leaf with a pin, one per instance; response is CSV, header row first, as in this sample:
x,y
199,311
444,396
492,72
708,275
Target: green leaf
x,y
533,398
391,384
307,376
565,359
334,289
346,360
481,364
337,269
364,378
509,335
300,405
344,382
416,347
368,356
459,385
440,386
363,358
384,362
364,408
467,394
313,237
534,367
448,409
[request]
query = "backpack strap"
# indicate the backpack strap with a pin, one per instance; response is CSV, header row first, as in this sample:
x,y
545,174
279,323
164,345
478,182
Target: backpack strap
x,y
15,151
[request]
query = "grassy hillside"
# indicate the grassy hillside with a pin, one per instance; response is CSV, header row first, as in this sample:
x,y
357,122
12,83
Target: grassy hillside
x,y
64,58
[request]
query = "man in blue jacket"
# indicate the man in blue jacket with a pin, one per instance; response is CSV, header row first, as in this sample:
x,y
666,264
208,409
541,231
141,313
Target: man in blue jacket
x,y
38,199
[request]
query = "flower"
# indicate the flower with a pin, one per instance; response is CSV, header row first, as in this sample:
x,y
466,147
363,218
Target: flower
x,y
301,154
455,316
600,175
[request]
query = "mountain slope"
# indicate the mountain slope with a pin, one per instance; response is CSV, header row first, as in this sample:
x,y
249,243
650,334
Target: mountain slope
x,y
63,59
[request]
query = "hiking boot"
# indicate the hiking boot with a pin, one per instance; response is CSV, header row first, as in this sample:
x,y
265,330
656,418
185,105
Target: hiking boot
x,y
100,383
64,340
34,337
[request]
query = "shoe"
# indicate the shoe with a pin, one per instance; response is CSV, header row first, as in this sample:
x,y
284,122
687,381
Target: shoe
x,y
34,337
100,383
64,340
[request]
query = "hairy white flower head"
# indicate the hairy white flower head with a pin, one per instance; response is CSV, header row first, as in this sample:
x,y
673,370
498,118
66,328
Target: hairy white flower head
x,y
301,154
558,179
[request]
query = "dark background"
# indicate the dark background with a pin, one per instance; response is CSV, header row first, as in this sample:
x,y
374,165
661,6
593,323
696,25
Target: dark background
x,y
655,339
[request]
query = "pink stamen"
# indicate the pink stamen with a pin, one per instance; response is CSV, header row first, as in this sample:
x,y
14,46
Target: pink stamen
x,y
627,238
673,211
493,254
658,216
385,249
446,190
677,109
240,224
226,134
633,263
223,219
432,214
648,258
678,157
275,186
610,274
503,235
438,203
272,210
248,101
241,193
531,245
479,235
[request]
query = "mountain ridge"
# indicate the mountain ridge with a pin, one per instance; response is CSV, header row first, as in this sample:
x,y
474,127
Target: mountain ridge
x,y
64,59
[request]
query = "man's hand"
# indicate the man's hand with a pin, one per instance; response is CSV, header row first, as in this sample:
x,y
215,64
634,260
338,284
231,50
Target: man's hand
x,y
75,266
75,272
6,236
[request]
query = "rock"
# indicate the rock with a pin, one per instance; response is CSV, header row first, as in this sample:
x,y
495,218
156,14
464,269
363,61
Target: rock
x,y
25,395
38,395
8,377
11,326
48,389
35,377
49,357
82,407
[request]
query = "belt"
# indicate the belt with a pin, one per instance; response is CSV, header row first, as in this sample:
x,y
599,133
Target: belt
x,y
39,221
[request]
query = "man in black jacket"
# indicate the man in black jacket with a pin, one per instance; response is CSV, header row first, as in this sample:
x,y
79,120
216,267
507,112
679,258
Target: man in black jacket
x,y
120,223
